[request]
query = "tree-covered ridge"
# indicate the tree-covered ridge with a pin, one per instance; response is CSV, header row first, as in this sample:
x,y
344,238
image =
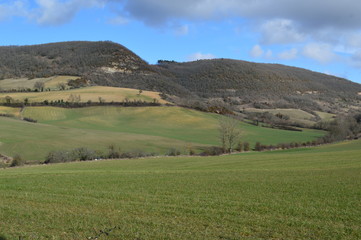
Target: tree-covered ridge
x,y
226,77
66,58
232,82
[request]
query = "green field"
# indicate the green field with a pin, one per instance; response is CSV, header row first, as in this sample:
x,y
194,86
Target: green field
x,y
311,193
151,129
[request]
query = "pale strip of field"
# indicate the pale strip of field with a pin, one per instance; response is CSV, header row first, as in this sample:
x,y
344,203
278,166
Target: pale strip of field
x,y
10,110
325,116
107,94
19,83
297,115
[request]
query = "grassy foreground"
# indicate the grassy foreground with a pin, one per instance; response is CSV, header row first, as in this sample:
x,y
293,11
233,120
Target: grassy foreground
x,y
311,193
151,129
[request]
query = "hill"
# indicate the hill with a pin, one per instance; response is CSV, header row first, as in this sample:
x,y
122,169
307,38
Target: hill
x,y
311,193
101,63
149,129
85,94
228,82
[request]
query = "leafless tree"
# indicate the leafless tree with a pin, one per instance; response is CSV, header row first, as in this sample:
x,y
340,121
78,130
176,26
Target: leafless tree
x,y
229,133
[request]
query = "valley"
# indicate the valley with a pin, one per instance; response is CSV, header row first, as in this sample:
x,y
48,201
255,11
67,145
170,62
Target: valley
x,y
95,143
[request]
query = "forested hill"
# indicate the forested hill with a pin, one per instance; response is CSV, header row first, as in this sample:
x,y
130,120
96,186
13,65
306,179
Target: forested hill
x,y
111,64
101,63
219,77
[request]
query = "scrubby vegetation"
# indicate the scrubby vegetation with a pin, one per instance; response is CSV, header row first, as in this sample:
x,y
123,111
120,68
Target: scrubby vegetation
x,y
192,84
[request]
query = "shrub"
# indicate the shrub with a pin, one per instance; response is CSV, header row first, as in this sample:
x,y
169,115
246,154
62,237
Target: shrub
x,y
58,157
30,120
173,152
113,152
239,147
258,146
212,151
3,237
191,152
82,154
246,146
17,161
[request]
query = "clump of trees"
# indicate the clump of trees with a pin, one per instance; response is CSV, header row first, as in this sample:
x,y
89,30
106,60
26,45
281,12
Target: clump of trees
x,y
17,161
87,154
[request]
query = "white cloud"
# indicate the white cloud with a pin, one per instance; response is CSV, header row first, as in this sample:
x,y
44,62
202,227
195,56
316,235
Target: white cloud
x,y
320,52
256,51
181,30
280,31
354,40
269,54
288,54
200,56
14,8
55,12
119,20
356,59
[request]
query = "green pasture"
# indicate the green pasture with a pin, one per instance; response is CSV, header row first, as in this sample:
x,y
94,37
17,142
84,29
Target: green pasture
x,y
151,129
310,193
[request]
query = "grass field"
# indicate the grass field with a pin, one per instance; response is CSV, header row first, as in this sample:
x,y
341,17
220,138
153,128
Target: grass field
x,y
311,193
50,82
151,129
108,94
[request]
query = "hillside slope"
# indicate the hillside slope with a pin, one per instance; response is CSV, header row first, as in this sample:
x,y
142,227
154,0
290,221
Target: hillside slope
x,y
101,63
219,77
232,82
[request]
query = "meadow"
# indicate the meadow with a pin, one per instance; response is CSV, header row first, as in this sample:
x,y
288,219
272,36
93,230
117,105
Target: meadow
x,y
307,193
93,94
150,129
296,115
50,82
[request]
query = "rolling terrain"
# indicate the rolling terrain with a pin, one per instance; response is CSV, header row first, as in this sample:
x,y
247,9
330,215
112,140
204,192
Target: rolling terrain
x,y
310,193
232,82
86,94
151,129
72,96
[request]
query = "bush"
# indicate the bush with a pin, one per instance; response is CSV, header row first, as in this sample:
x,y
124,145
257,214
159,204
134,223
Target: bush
x,y
113,152
246,146
3,237
82,154
212,151
30,120
258,146
58,157
173,152
17,161
239,147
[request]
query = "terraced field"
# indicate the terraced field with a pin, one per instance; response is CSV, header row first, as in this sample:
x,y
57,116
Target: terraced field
x,y
311,193
50,82
152,129
296,115
94,94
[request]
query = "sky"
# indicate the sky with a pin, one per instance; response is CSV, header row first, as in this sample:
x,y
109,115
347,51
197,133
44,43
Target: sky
x,y
320,35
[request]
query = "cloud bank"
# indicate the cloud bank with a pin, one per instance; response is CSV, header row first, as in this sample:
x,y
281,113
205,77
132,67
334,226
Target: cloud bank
x,y
322,27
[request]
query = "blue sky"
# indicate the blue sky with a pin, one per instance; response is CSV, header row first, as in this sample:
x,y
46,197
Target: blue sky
x,y
321,35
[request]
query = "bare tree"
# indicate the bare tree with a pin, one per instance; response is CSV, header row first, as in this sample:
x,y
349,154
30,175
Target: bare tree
x,y
39,85
229,133
61,86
